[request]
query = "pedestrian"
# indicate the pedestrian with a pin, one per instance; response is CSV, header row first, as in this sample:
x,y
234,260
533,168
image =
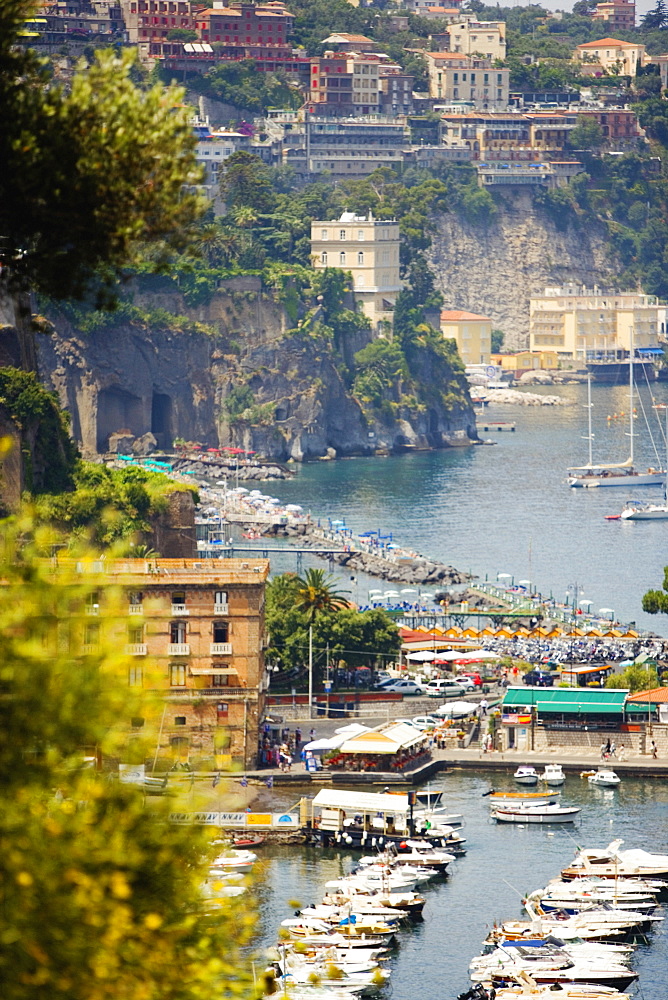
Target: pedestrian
x,y
654,750
621,752
311,735
298,737
613,749
483,706
604,751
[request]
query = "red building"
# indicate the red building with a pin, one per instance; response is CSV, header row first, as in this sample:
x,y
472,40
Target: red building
x,y
247,31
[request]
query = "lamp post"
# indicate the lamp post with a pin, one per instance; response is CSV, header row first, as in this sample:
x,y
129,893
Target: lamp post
x,y
574,590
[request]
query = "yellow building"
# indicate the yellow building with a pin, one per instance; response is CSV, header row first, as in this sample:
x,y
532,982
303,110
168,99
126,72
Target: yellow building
x,y
369,249
611,55
585,324
194,633
526,361
454,76
472,333
480,38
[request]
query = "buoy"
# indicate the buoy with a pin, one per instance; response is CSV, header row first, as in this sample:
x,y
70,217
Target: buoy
x,y
612,517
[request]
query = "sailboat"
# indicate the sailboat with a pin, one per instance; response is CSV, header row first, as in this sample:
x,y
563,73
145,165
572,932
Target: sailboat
x,y
619,473
639,510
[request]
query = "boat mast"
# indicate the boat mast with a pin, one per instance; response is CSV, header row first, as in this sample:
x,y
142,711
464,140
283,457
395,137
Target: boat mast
x,y
590,436
632,349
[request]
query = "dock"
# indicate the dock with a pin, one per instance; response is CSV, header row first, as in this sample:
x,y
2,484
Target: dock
x,y
497,425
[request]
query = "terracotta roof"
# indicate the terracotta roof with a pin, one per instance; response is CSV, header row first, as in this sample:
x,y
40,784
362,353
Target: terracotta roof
x,y
655,695
607,41
452,315
446,55
349,38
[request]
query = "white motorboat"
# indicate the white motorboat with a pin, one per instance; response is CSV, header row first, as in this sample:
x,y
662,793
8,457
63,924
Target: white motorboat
x,y
604,778
640,510
535,814
553,775
526,988
547,963
526,775
238,861
611,862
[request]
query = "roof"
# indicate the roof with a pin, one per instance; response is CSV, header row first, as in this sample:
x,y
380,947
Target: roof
x,y
599,701
334,798
654,695
617,42
453,315
446,55
390,740
344,36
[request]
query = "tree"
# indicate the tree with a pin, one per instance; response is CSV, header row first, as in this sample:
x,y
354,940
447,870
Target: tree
x,y
100,895
88,173
497,341
182,35
655,18
655,602
635,678
584,8
381,367
315,594
245,182
587,134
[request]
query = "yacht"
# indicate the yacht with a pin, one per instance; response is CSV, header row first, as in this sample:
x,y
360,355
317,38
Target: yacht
x,y
553,775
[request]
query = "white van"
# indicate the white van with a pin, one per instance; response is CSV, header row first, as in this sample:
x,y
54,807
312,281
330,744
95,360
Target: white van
x,y
443,689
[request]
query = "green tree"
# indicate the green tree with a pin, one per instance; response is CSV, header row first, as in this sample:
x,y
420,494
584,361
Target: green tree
x,y
182,35
101,897
635,678
655,18
497,341
587,134
245,182
88,173
655,602
381,367
315,594
584,8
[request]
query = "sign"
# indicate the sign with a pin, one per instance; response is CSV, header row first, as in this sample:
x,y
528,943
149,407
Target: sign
x,y
231,819
328,686
206,818
131,774
258,819
285,819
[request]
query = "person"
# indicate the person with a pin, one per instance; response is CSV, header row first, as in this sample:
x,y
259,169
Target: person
x,y
298,737
613,749
654,750
621,752
483,706
311,735
604,751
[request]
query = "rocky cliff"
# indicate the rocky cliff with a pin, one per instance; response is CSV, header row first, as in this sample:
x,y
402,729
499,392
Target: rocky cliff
x,y
494,269
142,377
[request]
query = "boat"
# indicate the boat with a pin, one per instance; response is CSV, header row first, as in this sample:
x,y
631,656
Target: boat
x,y
519,798
547,964
526,775
527,988
615,473
604,778
238,861
535,814
640,510
611,862
553,775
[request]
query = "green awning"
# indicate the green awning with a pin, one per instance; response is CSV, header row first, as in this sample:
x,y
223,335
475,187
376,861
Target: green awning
x,y
568,701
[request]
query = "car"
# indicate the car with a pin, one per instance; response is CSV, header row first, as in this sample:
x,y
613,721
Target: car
x,y
383,675
424,722
474,675
444,688
403,686
467,683
538,678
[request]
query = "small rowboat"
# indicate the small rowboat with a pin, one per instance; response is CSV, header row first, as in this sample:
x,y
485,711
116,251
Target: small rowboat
x,y
536,814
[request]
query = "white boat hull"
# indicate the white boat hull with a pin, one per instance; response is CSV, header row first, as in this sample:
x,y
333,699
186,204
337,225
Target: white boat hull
x,y
527,779
564,815
658,512
637,479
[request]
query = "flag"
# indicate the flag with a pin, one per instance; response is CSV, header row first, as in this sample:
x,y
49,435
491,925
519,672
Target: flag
x,y
244,782
270,781
216,780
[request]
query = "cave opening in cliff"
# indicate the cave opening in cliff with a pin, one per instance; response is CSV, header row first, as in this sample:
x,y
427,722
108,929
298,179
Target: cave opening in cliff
x,y
118,410
161,419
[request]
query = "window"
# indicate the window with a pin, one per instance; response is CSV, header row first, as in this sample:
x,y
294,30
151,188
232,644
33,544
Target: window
x,y
361,280
342,234
360,257
179,597
136,598
360,235
222,709
221,632
136,635
136,677
177,675
179,720
342,257
323,257
91,635
220,680
177,632
323,234
137,723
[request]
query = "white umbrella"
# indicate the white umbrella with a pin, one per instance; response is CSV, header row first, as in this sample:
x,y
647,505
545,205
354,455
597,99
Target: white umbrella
x,y
478,654
319,745
408,590
392,593
273,501
456,709
293,506
374,591
356,727
449,654
220,482
427,597
422,655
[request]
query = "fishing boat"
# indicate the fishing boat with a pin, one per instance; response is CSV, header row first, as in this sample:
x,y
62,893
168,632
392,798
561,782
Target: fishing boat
x,y
553,775
615,473
604,778
526,775
522,798
535,814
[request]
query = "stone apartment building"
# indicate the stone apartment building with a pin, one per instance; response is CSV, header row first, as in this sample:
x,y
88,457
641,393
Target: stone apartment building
x,y
481,38
454,76
369,249
616,15
194,634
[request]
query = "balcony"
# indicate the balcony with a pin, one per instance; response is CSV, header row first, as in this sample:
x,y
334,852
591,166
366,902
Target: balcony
x,y
179,609
92,609
136,649
221,609
221,649
90,648
136,609
178,649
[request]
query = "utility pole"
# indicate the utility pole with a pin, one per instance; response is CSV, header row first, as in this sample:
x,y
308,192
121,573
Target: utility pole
x,y
310,671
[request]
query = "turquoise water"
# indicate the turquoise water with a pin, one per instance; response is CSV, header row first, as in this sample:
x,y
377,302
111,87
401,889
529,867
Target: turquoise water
x,y
507,509
502,863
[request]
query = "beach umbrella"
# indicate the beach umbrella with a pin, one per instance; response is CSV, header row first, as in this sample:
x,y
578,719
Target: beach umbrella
x,y
293,506
448,656
422,655
479,654
408,590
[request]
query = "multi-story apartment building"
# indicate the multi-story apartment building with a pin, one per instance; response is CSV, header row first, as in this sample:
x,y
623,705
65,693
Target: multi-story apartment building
x,y
479,38
194,634
369,249
610,55
395,90
616,14
585,324
343,41
345,148
246,30
148,21
213,148
472,333
457,77
331,85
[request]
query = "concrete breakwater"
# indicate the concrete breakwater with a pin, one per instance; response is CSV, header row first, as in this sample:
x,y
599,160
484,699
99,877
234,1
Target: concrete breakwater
x,y
396,566
230,470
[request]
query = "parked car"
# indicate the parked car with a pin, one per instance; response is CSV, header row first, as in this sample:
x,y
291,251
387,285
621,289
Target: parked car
x,y
425,722
403,686
444,688
474,675
466,682
383,675
381,685
539,678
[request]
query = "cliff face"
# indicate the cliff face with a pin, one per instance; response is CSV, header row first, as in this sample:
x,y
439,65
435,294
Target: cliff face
x,y
494,270
145,378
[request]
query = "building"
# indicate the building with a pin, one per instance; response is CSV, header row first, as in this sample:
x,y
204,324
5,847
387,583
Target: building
x,y
457,77
584,324
246,30
610,55
213,148
616,14
344,42
148,21
331,85
526,361
395,95
479,38
663,69
369,249
472,333
194,633
528,714
346,148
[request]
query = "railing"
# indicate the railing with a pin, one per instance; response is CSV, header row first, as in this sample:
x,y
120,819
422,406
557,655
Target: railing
x,y
89,648
221,648
92,609
178,649
136,609
179,609
136,649
221,609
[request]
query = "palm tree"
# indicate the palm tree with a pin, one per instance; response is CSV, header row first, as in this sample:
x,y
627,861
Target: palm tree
x,y
315,595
